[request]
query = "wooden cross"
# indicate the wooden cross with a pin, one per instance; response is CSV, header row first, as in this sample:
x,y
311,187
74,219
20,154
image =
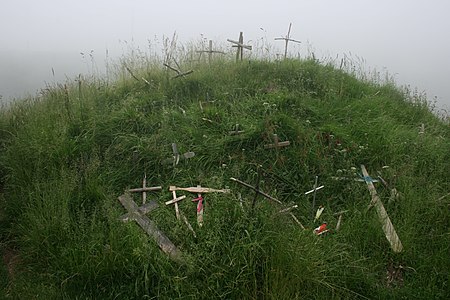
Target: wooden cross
x,y
287,39
179,72
240,46
277,144
236,130
136,213
179,214
176,155
388,228
210,52
198,190
314,190
144,189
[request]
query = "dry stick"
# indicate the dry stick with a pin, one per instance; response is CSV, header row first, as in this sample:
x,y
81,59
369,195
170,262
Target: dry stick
x,y
179,73
297,221
338,225
150,228
388,228
443,197
146,189
253,188
131,73
257,188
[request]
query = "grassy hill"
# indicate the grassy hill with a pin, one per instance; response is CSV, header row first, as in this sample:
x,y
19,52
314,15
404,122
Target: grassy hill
x,y
68,154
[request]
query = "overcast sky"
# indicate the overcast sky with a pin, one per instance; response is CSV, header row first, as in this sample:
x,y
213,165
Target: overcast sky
x,y
407,38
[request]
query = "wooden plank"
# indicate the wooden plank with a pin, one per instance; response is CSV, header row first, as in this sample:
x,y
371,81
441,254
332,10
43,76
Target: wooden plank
x,y
146,189
198,190
150,228
248,47
297,221
277,144
175,199
146,208
388,228
256,190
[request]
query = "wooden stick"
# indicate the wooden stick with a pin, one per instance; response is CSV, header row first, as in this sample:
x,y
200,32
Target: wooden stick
x,y
146,189
150,228
144,194
256,190
177,211
197,189
315,189
338,225
187,223
277,143
179,214
388,228
287,209
297,221
176,199
238,44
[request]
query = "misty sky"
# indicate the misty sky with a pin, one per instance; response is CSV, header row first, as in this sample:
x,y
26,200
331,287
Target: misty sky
x,y
407,38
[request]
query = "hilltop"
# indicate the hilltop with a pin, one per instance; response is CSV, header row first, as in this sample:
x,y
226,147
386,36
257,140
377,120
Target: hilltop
x,y
68,154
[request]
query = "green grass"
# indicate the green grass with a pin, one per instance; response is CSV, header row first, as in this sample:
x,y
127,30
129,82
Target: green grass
x,y
68,154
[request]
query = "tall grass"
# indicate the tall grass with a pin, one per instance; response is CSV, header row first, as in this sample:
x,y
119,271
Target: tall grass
x,y
68,154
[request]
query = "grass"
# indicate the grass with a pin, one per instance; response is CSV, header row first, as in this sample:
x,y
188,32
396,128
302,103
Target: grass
x,y
67,155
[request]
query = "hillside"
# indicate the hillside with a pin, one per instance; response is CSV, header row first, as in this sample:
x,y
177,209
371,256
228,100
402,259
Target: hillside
x,y
67,155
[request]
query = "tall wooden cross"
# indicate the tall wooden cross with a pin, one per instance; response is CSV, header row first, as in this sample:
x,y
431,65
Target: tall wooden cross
x,y
240,46
287,39
210,51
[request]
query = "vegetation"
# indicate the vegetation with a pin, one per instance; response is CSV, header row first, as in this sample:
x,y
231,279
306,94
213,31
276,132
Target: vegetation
x,y
67,155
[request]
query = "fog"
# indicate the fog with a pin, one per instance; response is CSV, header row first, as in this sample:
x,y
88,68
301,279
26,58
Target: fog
x,y
41,41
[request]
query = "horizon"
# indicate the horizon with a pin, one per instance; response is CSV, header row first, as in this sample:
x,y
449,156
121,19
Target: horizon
x,y
41,42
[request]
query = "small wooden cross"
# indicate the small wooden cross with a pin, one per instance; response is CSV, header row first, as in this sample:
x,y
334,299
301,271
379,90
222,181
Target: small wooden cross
x,y
277,144
179,214
236,130
210,52
144,189
176,156
314,190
